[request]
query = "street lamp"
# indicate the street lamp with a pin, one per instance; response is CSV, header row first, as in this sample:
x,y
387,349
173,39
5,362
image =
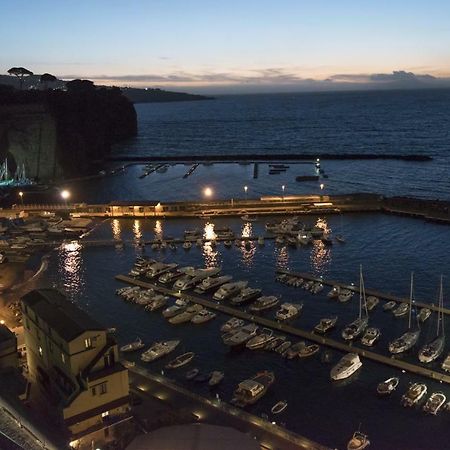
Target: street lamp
x,y
283,188
21,196
245,190
322,187
208,192
65,194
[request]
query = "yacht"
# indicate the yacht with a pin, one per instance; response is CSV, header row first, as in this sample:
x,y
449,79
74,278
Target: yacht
x,y
388,386
345,295
157,269
414,394
347,366
371,336
250,391
261,339
178,307
288,311
232,324
170,277
229,290
325,325
423,315
158,350
263,303
211,283
308,350
157,302
434,403
241,336
431,351
203,316
132,346
186,315
401,310
180,360
408,339
246,295
389,305
372,302
358,441
193,278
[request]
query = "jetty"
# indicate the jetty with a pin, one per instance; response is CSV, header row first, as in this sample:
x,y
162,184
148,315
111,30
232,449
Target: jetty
x,y
294,331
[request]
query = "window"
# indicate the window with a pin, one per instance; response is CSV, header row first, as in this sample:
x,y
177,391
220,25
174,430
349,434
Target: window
x,y
63,358
105,414
102,388
88,343
40,351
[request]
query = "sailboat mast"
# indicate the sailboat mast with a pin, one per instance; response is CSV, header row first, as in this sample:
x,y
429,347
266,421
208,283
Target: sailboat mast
x,y
440,309
360,290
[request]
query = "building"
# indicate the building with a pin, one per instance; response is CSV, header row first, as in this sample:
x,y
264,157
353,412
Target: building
x,y
74,359
8,349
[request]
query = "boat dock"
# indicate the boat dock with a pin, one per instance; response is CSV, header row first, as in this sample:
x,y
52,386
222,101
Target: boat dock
x,y
381,295
288,329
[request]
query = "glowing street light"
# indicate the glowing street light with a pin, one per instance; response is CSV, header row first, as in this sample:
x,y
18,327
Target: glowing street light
x,y
283,188
65,194
21,196
245,190
322,186
208,192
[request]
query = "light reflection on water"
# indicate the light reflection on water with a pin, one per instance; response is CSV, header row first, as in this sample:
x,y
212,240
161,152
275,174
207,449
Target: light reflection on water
x,y
116,229
320,257
247,230
208,232
137,230
282,257
158,230
210,255
70,268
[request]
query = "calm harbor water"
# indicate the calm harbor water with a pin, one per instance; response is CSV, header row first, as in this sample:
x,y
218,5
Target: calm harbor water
x,y
388,247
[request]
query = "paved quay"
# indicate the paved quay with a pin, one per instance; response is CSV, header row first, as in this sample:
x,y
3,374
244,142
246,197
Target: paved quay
x,y
288,329
215,411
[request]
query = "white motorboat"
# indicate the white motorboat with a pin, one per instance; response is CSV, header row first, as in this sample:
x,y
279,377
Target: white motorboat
x,y
229,290
388,386
294,350
191,279
171,276
408,339
347,366
358,441
246,295
289,311
389,305
261,339
203,316
263,303
431,351
158,350
308,350
241,336
372,302
132,346
157,269
434,404
414,394
179,306
232,324
186,315
157,302
345,295
371,336
251,390
423,315
401,310
211,283
325,324
180,360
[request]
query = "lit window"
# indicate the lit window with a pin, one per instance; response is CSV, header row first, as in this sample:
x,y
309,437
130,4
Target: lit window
x,y
40,351
63,357
105,414
88,343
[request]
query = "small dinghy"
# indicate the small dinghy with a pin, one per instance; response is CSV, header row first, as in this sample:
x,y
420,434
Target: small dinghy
x,y
180,360
279,407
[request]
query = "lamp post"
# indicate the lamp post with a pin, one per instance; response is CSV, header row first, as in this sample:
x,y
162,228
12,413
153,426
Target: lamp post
x,y
21,197
65,195
322,187
245,190
283,188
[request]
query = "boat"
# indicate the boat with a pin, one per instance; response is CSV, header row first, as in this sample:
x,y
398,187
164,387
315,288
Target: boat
x,y
179,306
211,283
446,364
371,336
272,345
389,305
180,360
316,287
171,276
193,278
191,374
263,303
157,302
347,366
187,245
358,441
357,327
283,348
414,394
431,351
388,386
372,302
340,238
401,310
423,315
246,295
434,403
294,350
288,311
203,316
408,339
229,290
308,350
261,339
241,336
231,324
279,407
249,218
250,391
186,315
159,349
325,324
157,269
345,295
228,243
132,346
216,378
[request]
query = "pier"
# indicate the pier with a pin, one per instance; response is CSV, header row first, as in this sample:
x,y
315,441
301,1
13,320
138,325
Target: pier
x,y
288,329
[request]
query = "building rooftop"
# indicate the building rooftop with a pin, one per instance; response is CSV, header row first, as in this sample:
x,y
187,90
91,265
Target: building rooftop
x,y
59,313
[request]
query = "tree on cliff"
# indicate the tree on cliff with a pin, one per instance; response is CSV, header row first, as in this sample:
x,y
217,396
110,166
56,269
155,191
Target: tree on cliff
x,y
47,78
20,73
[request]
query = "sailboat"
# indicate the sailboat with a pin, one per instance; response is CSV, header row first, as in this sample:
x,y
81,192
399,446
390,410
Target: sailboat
x,y
431,351
356,328
408,339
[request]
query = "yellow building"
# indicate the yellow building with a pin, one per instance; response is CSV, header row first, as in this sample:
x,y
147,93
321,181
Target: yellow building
x,y
76,361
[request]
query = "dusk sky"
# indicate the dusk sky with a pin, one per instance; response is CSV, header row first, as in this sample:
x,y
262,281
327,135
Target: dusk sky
x,y
210,46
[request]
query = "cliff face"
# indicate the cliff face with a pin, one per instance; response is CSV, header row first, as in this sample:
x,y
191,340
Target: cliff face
x,y
63,133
